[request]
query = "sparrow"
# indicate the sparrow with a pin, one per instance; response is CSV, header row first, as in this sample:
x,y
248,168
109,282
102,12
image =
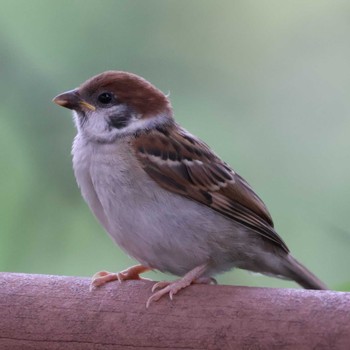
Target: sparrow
x,y
163,195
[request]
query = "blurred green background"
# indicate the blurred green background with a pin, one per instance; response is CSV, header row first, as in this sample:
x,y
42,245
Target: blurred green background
x,y
264,83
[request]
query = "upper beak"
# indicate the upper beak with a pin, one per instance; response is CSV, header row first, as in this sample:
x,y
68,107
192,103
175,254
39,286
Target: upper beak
x,y
72,100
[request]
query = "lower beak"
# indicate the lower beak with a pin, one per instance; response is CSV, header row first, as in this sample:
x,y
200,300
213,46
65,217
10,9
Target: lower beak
x,y
72,100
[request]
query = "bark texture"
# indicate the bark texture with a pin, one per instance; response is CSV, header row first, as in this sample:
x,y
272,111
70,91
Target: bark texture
x,y
56,312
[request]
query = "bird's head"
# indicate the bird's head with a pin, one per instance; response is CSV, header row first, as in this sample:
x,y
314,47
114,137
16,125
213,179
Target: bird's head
x,y
115,104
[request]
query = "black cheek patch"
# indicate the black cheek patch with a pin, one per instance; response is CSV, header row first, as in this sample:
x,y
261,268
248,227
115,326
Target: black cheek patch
x,y
120,120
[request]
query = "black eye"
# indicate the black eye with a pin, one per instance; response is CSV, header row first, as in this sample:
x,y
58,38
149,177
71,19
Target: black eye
x,y
105,98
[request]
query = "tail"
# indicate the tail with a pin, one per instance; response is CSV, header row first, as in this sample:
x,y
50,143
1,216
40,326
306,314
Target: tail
x,y
302,275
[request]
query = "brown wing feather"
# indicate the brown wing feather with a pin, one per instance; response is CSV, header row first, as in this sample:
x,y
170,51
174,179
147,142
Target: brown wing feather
x,y
185,165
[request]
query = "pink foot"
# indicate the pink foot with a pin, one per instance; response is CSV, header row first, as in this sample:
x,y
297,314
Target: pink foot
x,y
132,273
172,287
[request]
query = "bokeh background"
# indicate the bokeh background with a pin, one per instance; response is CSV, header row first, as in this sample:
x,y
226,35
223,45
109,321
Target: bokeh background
x,y
265,83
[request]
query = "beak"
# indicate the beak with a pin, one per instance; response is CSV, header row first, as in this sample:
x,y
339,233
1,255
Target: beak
x,y
72,100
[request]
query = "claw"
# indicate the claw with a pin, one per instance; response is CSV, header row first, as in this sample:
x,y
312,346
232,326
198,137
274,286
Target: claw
x,y
160,285
173,287
120,277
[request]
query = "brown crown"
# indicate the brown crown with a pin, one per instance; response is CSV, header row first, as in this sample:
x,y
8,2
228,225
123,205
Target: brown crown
x,y
129,88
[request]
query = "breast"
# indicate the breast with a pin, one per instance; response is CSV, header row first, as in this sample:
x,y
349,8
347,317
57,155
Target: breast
x,y
111,189
82,153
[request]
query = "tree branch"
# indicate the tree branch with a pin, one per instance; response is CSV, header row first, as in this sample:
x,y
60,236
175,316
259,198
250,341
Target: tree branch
x,y
55,312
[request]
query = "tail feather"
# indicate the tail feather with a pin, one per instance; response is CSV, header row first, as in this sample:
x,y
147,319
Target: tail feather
x,y
302,275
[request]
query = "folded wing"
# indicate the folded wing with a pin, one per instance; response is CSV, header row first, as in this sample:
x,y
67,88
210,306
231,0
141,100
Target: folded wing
x,y
181,163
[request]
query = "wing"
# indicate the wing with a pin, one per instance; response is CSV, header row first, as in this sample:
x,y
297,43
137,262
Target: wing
x,y
181,163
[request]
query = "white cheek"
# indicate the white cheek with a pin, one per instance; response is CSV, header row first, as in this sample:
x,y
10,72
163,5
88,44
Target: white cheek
x,y
95,124
137,123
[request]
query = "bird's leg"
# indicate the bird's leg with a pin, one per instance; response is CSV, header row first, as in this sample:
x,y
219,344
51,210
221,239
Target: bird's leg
x,y
200,280
132,273
172,287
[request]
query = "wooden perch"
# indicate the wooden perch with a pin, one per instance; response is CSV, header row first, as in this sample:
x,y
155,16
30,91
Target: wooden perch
x,y
54,312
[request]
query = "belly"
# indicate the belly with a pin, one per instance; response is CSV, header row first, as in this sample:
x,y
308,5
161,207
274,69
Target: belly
x,y
160,229
156,228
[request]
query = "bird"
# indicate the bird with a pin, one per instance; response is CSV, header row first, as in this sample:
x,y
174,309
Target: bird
x,y
163,195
